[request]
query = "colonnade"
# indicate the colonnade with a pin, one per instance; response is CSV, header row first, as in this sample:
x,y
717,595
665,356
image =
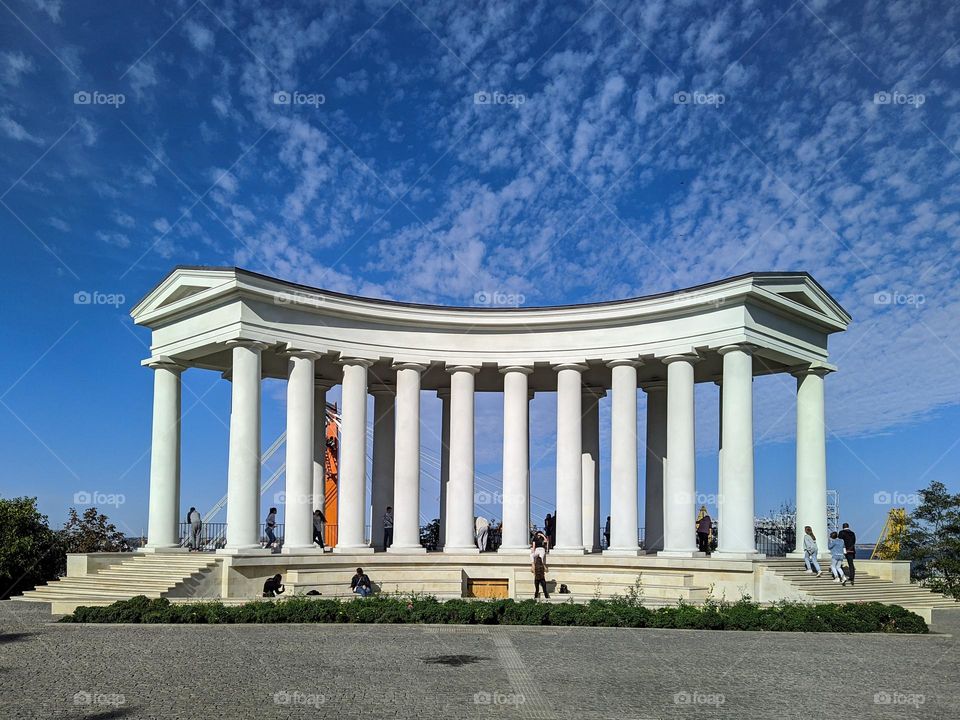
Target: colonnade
x,y
670,480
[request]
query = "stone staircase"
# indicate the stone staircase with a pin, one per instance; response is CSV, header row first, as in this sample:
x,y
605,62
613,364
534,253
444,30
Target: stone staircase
x,y
867,588
139,574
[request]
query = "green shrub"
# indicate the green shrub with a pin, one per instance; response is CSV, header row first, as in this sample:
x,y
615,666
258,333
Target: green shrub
x,y
623,612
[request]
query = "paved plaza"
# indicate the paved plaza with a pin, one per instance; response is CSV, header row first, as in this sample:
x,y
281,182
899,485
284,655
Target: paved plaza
x,y
344,671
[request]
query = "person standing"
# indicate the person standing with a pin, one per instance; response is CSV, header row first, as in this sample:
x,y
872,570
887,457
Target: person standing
x,y
387,528
483,528
538,548
837,552
539,578
606,533
849,538
270,527
549,522
704,526
196,525
810,551
318,527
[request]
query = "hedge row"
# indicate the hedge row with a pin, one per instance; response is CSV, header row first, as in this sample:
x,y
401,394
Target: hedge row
x,y
742,615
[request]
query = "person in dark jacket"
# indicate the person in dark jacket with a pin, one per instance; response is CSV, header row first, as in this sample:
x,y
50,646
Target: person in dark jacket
x,y
549,528
849,538
539,578
319,520
360,583
273,586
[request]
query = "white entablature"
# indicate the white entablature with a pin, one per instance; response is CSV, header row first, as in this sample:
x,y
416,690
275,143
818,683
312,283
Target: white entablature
x,y
194,312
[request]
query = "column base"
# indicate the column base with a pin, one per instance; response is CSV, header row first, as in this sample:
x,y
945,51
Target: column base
x,y
734,555
681,554
158,550
304,550
567,551
513,551
472,550
358,550
407,550
623,552
254,550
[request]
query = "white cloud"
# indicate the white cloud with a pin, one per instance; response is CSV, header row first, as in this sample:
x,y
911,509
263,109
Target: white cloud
x,y
199,35
13,66
15,131
123,219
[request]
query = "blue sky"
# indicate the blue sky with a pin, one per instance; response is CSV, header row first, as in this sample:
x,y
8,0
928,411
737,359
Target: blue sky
x,y
616,149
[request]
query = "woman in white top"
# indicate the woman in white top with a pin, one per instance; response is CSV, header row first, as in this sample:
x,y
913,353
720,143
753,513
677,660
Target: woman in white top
x,y
810,551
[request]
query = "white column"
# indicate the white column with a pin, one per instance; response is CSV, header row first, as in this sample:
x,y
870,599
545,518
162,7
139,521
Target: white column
x,y
351,510
243,473
656,452
736,492
406,493
383,459
590,466
569,464
811,457
298,498
164,513
320,388
460,497
516,460
680,484
624,478
444,395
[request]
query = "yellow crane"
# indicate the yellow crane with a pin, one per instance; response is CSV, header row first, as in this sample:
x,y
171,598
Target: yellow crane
x,y
888,544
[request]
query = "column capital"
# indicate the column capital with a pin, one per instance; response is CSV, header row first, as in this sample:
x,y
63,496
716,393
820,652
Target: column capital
x,y
682,357
525,369
800,371
419,367
579,367
654,386
365,362
165,363
296,352
745,347
454,368
624,361
247,343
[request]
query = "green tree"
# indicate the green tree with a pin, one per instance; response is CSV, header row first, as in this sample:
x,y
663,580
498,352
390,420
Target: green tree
x,y
932,540
30,552
91,533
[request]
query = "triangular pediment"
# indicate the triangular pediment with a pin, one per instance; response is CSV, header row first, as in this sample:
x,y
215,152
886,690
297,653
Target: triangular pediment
x,y
182,284
804,291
